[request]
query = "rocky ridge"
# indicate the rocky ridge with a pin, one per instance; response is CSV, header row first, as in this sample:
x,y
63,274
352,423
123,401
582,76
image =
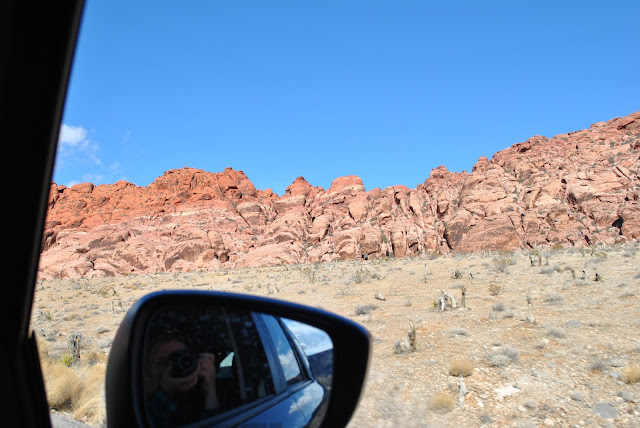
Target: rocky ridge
x,y
574,189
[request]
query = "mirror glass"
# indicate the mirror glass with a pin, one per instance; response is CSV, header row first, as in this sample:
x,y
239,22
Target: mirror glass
x,y
216,364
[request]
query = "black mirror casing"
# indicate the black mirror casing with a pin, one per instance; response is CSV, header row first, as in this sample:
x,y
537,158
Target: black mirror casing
x,y
125,402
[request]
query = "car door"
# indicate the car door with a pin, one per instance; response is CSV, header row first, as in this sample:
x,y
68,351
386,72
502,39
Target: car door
x,y
299,395
37,41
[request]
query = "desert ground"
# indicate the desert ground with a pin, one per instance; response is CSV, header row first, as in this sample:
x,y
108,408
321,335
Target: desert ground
x,y
577,365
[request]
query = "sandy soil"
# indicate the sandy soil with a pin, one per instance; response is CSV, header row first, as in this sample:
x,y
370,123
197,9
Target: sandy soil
x,y
565,370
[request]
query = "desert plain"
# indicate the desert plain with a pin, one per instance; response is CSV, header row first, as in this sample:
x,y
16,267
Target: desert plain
x,y
577,365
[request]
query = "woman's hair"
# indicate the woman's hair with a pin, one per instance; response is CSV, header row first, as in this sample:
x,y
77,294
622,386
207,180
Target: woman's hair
x,y
166,337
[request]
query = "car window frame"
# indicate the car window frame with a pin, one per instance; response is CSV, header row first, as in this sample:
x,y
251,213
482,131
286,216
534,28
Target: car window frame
x,y
37,44
283,391
282,386
303,357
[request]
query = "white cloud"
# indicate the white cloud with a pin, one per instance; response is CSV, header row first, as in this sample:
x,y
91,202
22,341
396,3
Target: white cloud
x,y
93,178
74,144
79,159
71,136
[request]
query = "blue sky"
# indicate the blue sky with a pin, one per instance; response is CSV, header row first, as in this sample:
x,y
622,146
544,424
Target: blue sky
x,y
386,90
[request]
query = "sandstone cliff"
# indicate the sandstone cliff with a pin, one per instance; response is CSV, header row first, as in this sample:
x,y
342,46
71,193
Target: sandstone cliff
x,y
570,190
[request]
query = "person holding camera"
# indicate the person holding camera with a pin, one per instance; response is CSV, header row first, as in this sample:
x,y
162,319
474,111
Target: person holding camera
x,y
180,386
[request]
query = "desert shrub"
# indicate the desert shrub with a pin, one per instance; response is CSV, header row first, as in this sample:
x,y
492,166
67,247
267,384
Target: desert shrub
x,y
600,256
597,366
486,419
499,360
90,405
101,330
365,309
503,261
494,289
510,352
540,345
63,385
508,314
93,358
441,402
498,307
556,333
459,331
627,295
503,356
347,290
554,298
456,274
461,367
71,317
631,374
364,274
75,388
66,360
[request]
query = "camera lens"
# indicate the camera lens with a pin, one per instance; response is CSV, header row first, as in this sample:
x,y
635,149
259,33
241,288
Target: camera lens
x,y
183,363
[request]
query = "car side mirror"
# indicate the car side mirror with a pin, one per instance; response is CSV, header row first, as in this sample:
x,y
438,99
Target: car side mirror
x,y
219,359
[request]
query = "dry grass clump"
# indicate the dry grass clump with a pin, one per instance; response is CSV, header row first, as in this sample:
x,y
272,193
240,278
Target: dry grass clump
x,y
63,385
91,402
556,333
77,389
459,331
486,419
365,309
93,358
503,261
631,374
441,402
597,365
503,356
494,289
499,307
461,367
554,298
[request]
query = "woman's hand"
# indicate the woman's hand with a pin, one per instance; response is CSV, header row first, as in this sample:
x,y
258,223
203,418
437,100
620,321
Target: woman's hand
x,y
207,372
177,384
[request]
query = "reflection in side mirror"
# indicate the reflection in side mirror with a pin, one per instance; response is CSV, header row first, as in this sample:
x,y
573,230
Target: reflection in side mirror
x,y
230,366
206,359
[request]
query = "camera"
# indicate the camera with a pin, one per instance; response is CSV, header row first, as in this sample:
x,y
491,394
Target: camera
x,y
183,363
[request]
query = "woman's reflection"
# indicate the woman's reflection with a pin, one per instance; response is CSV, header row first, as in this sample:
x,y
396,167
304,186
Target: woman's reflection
x,y
179,384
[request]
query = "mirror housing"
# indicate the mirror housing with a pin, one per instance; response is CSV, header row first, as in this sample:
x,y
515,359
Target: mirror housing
x,y
125,401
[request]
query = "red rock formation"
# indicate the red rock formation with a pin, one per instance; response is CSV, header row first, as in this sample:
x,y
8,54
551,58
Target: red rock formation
x,y
573,189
